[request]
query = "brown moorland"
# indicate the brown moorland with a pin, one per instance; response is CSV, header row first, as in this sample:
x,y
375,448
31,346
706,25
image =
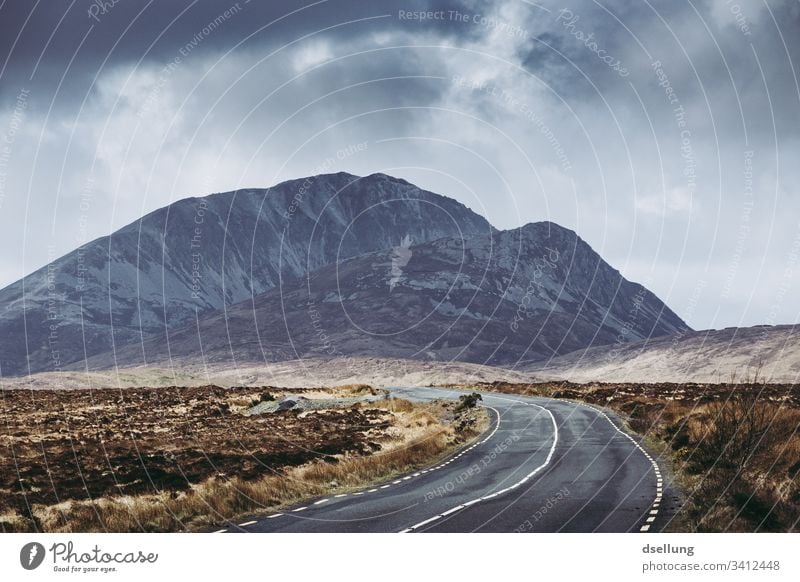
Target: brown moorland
x,y
171,459
734,448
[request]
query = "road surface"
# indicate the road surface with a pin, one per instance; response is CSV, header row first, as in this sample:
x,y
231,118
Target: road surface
x,y
544,466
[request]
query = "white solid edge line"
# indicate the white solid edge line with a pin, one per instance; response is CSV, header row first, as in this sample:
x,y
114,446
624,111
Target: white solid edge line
x,y
491,496
453,510
491,434
427,521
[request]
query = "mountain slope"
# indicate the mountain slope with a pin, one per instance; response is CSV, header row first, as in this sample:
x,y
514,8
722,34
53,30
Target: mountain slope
x,y
529,293
199,255
732,354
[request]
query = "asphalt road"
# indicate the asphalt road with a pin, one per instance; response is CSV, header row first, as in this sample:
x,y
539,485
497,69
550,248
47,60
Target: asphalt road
x,y
544,466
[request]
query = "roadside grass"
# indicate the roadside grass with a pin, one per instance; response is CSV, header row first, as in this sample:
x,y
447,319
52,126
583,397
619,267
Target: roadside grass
x,y
744,457
421,435
733,449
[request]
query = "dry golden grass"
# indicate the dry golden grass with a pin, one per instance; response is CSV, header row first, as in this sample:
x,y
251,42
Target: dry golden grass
x,y
736,456
357,389
82,445
419,439
735,448
745,459
392,405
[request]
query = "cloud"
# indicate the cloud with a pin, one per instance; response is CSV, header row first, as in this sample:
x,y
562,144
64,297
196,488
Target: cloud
x,y
311,55
676,200
498,104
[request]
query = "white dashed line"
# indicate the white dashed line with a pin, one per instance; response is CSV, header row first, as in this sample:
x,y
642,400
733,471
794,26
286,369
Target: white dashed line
x,y
453,510
507,489
653,510
246,523
659,480
417,474
222,531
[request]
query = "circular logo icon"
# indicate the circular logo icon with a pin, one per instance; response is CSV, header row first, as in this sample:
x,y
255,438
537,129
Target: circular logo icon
x,y
31,555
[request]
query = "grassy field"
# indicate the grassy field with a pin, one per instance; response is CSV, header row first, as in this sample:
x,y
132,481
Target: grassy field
x,y
734,448
183,458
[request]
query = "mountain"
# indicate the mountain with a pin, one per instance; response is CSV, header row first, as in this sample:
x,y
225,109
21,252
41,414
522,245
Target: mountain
x,y
199,255
729,355
498,298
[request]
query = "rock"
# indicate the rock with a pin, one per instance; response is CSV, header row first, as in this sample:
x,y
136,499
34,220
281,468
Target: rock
x,y
287,404
290,402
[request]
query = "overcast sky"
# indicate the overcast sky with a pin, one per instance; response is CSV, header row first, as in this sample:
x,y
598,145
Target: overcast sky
x,y
666,133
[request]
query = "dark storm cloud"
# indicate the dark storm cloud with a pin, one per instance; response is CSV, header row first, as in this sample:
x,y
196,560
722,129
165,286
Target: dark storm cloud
x,y
713,51
524,110
158,28
44,41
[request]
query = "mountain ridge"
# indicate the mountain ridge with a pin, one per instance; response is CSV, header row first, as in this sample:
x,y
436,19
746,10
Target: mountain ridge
x,y
201,253
538,290
732,354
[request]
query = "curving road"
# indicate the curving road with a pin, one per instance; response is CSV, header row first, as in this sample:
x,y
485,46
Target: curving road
x,y
544,466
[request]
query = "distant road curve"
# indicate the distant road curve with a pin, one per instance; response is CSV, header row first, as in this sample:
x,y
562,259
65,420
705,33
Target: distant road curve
x,y
544,466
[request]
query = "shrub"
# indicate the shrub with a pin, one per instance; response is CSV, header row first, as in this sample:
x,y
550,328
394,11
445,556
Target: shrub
x,y
468,401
